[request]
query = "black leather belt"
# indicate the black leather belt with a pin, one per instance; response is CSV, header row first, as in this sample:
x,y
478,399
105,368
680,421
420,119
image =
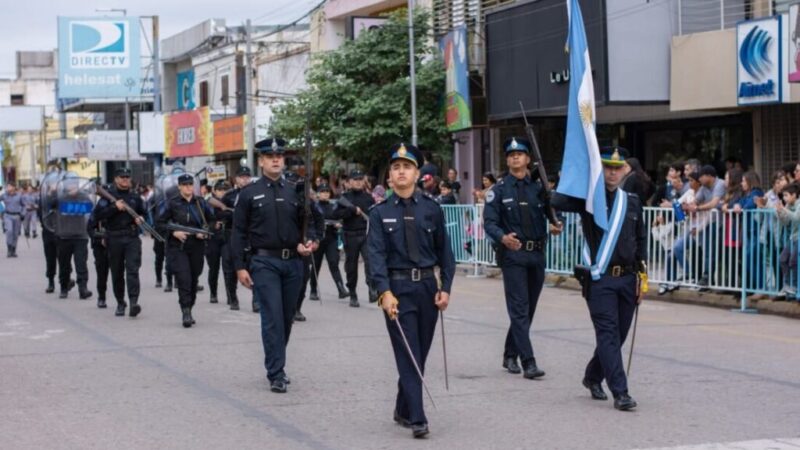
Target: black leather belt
x,y
282,253
129,232
619,271
533,246
411,274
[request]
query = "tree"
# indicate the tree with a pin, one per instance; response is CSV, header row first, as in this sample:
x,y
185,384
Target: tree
x,y
358,100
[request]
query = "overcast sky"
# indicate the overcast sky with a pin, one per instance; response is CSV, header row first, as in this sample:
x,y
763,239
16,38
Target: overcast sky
x,y
31,24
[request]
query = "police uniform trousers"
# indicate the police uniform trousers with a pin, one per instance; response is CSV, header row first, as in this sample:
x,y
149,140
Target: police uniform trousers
x,y
276,286
214,259
612,303
228,272
101,266
50,244
523,278
355,244
77,249
328,248
12,224
160,250
29,222
125,259
187,265
301,296
417,314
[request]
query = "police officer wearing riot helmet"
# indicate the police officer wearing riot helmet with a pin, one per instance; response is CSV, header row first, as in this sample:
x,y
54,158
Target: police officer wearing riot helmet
x,y
73,240
243,179
612,284
514,217
122,239
351,209
186,250
407,239
328,246
268,220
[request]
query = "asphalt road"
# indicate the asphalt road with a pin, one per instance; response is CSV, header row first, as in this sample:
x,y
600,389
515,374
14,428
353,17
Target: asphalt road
x,y
76,377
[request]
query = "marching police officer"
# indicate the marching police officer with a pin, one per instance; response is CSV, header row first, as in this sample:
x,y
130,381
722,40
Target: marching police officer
x,y
328,246
351,209
614,277
407,240
243,178
73,207
122,240
216,243
186,247
49,238
514,217
268,220
12,217
97,234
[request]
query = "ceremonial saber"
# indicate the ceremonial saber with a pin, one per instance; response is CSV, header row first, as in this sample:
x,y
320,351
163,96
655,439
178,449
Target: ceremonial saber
x,y
414,361
633,340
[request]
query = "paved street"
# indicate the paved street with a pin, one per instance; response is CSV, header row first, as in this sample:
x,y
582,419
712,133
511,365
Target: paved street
x,y
73,376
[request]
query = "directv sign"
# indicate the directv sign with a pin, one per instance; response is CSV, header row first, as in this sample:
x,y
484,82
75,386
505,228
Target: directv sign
x,y
98,57
758,56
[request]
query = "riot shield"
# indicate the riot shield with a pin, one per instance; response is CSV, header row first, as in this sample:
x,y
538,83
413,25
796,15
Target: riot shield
x,y
75,201
48,199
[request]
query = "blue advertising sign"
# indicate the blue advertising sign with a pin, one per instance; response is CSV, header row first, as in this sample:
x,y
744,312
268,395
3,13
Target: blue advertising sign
x,y
98,57
185,90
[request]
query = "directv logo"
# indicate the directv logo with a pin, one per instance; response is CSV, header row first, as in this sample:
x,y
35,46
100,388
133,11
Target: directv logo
x,y
99,44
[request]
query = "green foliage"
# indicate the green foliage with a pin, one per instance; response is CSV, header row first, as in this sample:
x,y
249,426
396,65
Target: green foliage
x,y
358,99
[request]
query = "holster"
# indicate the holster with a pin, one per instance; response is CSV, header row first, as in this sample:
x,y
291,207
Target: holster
x,y
584,276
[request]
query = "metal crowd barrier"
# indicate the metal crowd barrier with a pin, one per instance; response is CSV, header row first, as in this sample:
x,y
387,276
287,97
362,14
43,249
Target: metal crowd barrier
x,y
743,253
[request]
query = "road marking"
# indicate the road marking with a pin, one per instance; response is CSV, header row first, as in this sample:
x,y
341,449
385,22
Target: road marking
x,y
762,444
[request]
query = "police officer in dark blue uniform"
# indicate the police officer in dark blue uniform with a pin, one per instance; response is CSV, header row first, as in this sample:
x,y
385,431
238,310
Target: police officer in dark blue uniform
x,y
186,250
514,217
613,278
215,245
122,240
352,209
268,224
328,246
243,179
407,240
97,234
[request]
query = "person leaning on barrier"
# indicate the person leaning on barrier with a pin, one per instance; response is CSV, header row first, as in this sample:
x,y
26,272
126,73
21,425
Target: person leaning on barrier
x,y
515,219
789,216
614,281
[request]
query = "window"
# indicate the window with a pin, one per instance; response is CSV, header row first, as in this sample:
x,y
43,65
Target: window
x,y
204,93
17,99
224,83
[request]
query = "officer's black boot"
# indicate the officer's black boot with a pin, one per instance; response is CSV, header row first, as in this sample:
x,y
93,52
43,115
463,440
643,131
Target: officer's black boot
x,y
135,307
314,295
256,306
10,253
13,251
64,292
342,291
51,286
234,302
214,298
169,284
373,295
354,299
187,317
158,283
101,302
530,371
120,308
624,402
510,364
83,292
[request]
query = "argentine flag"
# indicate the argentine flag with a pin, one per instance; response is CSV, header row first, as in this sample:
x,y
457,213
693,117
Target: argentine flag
x,y
582,170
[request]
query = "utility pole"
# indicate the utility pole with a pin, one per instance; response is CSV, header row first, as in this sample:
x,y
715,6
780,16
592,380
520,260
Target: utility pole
x,y
411,58
127,133
248,99
156,67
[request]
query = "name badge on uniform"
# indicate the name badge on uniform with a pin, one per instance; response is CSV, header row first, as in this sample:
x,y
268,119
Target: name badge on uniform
x,y
508,200
258,197
278,199
389,220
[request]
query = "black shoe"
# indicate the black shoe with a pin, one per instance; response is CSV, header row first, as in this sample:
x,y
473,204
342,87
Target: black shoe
x,y
313,295
214,299
624,402
84,293
35,235
372,296
278,386
419,430
101,302
63,294
200,288
187,317
191,316
135,308
511,365
354,302
158,284
168,288
343,293
286,379
71,285
400,420
51,287
299,317
120,309
256,307
530,371
596,389
235,306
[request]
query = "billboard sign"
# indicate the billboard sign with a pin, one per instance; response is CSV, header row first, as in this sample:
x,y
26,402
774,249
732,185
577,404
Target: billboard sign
x,y
359,25
98,57
794,43
458,111
21,118
758,61
216,173
229,135
109,145
151,133
188,133
185,90
68,148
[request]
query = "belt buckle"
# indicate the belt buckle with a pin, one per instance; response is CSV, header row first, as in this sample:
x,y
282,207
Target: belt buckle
x,y
416,275
285,253
616,271
529,245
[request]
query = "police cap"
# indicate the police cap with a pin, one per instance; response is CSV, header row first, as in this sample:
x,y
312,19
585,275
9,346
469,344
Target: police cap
x,y
271,146
515,144
408,152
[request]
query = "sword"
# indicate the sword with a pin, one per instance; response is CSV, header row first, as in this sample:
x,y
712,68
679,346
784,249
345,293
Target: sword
x,y
444,353
633,340
414,361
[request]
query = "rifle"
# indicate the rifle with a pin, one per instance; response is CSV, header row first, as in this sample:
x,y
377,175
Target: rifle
x,y
143,225
218,204
172,226
539,162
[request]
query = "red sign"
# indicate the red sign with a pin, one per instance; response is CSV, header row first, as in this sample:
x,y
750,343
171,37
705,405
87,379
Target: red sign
x,y
188,133
229,135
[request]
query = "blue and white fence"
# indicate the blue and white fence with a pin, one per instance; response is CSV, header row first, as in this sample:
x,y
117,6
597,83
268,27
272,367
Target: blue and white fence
x,y
740,252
